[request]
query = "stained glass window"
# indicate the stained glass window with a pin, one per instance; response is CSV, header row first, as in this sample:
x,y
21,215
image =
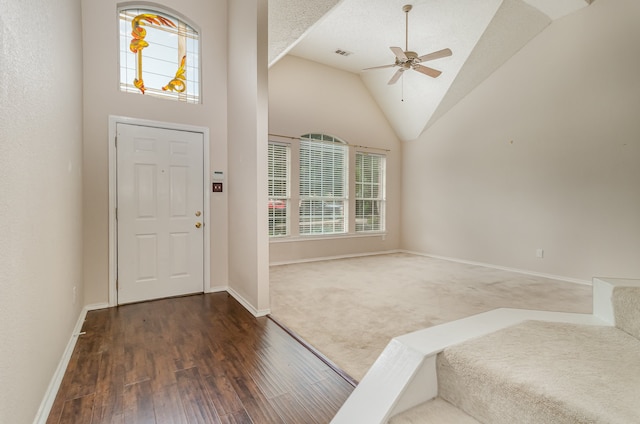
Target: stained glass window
x,y
159,55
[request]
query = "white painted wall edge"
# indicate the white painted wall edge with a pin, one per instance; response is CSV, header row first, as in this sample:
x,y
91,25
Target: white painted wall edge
x,y
602,296
247,305
329,258
56,380
503,268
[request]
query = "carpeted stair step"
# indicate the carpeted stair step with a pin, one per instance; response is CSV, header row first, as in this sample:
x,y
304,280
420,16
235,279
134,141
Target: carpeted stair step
x,y
542,372
436,411
625,301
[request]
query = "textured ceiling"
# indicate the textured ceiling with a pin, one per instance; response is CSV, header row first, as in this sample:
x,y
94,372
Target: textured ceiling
x,y
290,19
481,34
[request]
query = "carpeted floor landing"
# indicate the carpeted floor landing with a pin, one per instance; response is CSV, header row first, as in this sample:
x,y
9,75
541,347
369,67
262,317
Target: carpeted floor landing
x,y
349,309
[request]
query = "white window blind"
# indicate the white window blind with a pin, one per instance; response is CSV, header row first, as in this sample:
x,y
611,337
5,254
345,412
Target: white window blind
x,y
370,192
279,194
323,190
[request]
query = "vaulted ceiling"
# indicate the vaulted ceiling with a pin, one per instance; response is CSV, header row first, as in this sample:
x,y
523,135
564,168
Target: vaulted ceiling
x,y
481,34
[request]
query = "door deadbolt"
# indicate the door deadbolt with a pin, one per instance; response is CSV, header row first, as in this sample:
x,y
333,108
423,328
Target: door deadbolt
x,y
198,213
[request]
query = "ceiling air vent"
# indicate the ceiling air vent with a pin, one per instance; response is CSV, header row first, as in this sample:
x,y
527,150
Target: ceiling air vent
x,y
342,52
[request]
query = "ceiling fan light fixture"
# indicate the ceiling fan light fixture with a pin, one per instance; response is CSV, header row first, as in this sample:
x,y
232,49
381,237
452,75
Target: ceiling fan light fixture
x,y
406,59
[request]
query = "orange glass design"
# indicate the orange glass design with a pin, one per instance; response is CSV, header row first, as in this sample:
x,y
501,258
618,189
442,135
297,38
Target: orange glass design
x,y
178,83
138,43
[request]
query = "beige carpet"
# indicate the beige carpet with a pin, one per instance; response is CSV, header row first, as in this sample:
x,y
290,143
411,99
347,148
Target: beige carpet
x,y
545,372
349,309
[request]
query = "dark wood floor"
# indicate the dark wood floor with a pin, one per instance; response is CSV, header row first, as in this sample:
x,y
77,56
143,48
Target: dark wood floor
x,y
195,359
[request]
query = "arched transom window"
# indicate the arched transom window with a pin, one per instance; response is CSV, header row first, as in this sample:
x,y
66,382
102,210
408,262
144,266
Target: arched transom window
x,y
159,55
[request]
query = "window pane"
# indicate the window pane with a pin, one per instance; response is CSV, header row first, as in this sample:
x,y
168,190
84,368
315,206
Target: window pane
x,y
323,190
321,217
369,192
278,222
278,184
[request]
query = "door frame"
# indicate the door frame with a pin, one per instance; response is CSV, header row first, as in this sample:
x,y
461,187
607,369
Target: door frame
x,y
206,196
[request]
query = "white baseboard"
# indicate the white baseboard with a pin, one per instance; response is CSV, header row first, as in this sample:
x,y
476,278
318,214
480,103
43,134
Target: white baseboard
x,y
503,268
96,306
217,289
56,380
329,258
247,305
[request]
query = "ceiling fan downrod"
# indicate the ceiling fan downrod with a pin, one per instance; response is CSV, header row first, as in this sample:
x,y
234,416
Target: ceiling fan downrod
x,y
406,9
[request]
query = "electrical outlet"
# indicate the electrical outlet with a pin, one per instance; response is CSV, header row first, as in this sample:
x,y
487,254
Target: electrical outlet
x,y
75,294
540,253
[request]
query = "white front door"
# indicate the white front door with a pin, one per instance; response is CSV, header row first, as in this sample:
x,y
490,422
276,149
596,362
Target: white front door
x,y
160,249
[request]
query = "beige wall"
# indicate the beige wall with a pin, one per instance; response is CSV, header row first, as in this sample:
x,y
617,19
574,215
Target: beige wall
x,y
40,196
103,98
248,242
544,154
306,97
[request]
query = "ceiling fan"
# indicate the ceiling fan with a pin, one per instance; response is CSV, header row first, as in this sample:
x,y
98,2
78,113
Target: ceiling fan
x,y
406,59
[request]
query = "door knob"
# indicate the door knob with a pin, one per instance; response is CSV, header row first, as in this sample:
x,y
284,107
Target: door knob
x,y
198,213
198,224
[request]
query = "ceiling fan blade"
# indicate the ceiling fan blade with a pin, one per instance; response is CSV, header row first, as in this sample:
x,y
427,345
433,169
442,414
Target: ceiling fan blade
x,y
380,67
436,55
399,54
434,73
396,76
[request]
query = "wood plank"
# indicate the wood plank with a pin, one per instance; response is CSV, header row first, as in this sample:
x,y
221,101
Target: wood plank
x,y
224,397
292,411
108,407
254,401
201,358
138,403
239,417
195,399
168,406
78,410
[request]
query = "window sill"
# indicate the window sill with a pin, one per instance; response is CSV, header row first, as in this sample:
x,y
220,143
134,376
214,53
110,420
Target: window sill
x,y
295,239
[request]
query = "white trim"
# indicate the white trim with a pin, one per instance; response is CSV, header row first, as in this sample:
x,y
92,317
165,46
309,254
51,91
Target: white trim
x,y
113,265
217,289
96,306
337,236
52,390
504,268
330,258
247,305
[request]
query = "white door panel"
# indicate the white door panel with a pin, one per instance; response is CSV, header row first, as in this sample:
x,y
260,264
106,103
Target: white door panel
x,y
159,194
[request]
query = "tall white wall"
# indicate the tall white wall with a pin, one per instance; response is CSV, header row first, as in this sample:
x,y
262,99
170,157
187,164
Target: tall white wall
x,y
307,97
102,98
40,196
544,154
247,125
